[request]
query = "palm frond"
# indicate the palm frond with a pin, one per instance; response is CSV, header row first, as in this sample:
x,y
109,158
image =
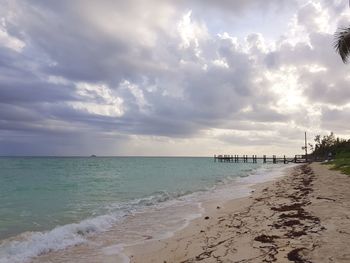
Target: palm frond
x,y
342,43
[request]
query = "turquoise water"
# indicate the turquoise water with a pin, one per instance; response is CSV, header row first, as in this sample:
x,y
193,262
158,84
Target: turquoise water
x,y
39,194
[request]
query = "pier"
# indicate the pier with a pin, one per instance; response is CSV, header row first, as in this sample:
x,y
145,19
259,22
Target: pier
x,y
254,159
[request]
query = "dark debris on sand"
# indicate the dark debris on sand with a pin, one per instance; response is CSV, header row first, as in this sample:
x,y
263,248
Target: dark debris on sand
x,y
294,220
291,221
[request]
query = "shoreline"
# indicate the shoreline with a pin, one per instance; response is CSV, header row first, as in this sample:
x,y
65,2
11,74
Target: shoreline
x,y
286,220
245,187
110,246
212,210
296,214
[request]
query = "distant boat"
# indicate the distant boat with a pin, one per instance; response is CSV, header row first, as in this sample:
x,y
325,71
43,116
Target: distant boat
x,y
93,155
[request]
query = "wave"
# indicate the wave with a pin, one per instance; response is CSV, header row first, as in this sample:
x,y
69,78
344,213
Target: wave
x,y
30,244
27,245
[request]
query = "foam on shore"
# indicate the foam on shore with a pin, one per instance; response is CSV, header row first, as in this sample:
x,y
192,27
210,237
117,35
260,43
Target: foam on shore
x,y
158,216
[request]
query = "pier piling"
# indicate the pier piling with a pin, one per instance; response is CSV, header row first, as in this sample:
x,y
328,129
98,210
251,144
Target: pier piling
x,y
254,159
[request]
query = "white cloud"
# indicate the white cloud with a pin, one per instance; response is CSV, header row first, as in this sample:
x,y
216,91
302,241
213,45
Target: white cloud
x,y
220,63
191,32
284,83
314,17
98,99
137,93
8,41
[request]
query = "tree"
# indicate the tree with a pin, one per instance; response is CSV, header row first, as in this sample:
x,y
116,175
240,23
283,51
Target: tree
x,y
317,141
330,144
328,140
342,43
311,147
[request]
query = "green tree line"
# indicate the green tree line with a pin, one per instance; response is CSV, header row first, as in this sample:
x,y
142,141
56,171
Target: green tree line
x,y
329,144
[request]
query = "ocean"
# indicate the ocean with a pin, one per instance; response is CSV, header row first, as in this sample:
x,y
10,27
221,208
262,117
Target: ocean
x,y
52,203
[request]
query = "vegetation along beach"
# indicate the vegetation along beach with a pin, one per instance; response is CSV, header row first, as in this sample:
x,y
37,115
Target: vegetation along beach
x,y
166,131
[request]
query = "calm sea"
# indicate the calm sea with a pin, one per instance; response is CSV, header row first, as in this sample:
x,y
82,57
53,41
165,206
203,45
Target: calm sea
x,y
52,203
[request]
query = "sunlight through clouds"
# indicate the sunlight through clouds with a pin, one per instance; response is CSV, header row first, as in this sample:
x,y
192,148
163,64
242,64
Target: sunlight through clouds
x,y
170,72
191,33
284,83
100,100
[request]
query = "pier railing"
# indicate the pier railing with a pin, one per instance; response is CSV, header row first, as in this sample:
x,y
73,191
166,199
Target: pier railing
x,y
255,158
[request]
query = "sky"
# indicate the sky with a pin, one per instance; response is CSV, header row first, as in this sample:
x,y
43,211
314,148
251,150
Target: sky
x,y
173,78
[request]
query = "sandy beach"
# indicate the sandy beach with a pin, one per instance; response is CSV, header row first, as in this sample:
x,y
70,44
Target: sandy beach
x,y
302,217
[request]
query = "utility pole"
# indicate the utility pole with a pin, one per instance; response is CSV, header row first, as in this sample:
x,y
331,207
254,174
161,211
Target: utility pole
x,y
305,148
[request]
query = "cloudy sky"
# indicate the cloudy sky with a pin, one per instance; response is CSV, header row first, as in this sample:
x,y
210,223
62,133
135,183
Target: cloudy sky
x,y
194,77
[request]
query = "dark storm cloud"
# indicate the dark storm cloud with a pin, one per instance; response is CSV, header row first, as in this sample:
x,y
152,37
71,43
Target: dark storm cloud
x,y
19,83
79,51
83,51
160,79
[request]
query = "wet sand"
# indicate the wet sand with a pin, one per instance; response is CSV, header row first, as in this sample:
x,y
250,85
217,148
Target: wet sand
x,y
302,217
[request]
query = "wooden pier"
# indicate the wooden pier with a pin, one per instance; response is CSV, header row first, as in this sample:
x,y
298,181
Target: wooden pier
x,y
255,158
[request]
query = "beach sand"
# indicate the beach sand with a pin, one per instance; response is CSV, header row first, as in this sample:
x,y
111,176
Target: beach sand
x,y
302,217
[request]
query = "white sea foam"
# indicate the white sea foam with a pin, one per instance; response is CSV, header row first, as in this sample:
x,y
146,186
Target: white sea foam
x,y
28,245
31,244
116,250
